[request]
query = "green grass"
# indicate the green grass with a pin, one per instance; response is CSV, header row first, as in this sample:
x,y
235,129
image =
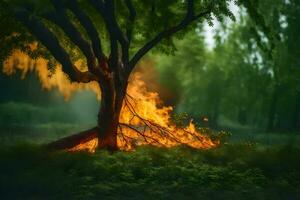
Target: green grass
x,y
229,172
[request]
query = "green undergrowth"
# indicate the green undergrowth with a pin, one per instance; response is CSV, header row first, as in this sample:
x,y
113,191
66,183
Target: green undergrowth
x,y
228,172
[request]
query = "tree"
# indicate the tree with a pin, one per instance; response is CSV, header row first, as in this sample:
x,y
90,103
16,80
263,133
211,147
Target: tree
x,y
111,35
224,83
282,18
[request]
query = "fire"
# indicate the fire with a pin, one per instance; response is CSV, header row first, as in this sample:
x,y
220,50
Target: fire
x,y
143,120
22,62
89,146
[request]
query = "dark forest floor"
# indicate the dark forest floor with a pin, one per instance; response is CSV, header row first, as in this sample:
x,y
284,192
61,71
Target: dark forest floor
x,y
228,172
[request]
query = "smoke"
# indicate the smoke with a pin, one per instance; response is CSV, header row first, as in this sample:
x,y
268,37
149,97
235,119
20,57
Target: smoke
x,y
154,80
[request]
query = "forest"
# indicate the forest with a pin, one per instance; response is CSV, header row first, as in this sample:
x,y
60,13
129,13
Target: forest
x,y
149,99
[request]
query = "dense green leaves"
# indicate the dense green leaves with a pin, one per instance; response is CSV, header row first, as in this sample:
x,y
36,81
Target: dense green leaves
x,y
232,172
249,79
152,17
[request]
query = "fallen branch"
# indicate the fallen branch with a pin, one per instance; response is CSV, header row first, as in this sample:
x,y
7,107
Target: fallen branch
x,y
74,140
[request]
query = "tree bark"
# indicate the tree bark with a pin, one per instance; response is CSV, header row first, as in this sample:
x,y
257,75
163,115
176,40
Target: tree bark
x,y
74,140
112,96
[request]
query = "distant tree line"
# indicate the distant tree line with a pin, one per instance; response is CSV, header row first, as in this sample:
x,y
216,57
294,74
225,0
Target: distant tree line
x,y
251,78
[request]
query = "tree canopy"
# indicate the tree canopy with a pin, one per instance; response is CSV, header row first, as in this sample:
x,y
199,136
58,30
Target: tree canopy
x,y
71,30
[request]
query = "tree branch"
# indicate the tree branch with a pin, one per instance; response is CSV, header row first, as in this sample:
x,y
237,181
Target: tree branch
x,y
49,40
188,19
154,131
88,25
132,16
60,19
112,21
101,7
107,10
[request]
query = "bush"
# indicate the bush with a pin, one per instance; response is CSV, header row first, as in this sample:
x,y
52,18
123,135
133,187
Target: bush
x,y
229,172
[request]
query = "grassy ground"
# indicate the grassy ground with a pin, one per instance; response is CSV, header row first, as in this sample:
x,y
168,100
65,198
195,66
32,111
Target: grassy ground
x,y
229,172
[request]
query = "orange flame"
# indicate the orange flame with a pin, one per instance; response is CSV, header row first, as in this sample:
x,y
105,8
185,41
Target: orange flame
x,y
22,62
147,122
143,119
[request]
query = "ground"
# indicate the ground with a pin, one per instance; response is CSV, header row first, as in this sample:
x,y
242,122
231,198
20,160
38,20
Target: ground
x,y
250,165
232,171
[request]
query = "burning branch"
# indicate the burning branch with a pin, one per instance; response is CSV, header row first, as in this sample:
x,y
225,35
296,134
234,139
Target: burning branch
x,y
147,131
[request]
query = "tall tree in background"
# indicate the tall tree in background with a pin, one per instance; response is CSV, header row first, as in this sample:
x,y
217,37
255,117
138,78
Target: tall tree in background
x,y
282,17
291,17
229,81
250,78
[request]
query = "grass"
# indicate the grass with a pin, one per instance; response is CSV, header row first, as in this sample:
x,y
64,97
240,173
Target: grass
x,y
229,172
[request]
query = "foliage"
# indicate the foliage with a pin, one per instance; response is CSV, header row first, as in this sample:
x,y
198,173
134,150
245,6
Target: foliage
x,y
208,83
249,79
152,17
229,172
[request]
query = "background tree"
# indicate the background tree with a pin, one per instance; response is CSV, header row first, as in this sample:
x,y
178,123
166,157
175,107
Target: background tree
x,y
281,17
253,68
229,81
234,79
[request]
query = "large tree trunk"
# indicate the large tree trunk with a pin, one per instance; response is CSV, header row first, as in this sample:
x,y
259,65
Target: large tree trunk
x,y
108,118
112,96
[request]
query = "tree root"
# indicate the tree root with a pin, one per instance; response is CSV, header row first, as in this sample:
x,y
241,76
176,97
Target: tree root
x,y
73,140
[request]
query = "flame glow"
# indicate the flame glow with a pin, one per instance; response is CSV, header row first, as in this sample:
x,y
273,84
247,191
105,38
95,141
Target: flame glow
x,y
22,62
89,146
147,122
143,119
